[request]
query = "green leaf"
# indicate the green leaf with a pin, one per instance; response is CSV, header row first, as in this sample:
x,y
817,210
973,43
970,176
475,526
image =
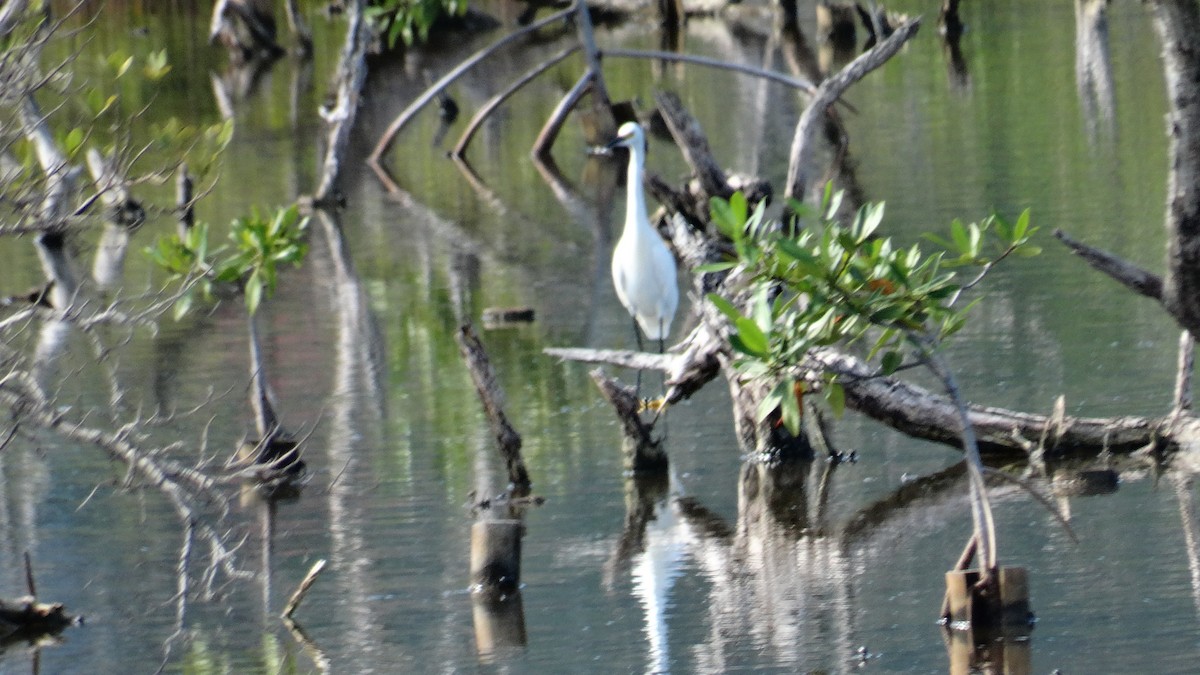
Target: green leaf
x,y
722,216
958,232
123,66
254,292
771,402
870,216
790,410
738,207
754,340
1021,227
891,361
73,141
1028,250
724,306
835,395
714,267
156,65
183,305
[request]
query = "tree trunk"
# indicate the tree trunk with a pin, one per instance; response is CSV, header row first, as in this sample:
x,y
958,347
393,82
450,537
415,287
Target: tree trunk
x,y
1178,24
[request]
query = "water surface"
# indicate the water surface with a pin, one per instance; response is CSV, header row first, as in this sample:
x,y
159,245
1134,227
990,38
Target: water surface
x,y
359,348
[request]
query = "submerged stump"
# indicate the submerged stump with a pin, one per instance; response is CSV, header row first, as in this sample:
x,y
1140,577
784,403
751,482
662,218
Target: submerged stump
x,y
27,619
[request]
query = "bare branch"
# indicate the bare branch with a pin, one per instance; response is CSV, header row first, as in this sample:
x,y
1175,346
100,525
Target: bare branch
x,y
803,142
385,140
504,95
779,78
1127,274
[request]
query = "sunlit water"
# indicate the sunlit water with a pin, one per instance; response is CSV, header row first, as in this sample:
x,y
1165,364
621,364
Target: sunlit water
x,y
360,350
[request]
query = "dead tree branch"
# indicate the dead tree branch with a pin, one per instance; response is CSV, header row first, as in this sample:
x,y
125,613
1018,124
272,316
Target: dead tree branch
x,y
770,75
406,115
642,452
492,397
461,147
351,74
801,165
1124,272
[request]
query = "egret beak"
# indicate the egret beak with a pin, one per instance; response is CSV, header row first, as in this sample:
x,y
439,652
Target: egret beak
x,y
618,142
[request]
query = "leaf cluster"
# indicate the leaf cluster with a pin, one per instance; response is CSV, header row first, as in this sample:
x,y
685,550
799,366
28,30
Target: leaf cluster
x,y
257,247
825,283
410,20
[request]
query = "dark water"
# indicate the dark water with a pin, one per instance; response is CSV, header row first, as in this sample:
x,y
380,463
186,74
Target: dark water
x,y
739,570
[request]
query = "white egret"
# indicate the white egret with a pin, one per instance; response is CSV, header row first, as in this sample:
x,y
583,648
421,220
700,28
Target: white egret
x,y
643,269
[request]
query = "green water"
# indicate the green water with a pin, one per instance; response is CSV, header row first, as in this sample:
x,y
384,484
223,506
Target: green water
x,y
359,348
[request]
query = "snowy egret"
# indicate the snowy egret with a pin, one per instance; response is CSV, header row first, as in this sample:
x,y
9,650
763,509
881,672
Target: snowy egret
x,y
643,269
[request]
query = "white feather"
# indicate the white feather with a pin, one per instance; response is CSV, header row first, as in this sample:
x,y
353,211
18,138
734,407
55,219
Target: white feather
x,y
643,268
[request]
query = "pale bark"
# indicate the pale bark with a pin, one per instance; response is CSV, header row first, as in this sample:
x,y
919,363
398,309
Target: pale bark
x,y
1178,23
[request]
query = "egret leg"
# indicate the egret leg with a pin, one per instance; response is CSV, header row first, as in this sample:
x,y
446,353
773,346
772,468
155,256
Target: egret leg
x,y
637,334
662,403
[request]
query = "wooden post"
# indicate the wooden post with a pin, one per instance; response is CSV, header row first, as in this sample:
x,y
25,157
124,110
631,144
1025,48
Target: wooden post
x,y
1000,607
496,557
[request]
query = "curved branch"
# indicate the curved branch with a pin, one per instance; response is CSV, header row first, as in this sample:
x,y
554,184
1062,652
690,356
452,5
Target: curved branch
x,y
385,140
461,148
779,78
830,91
545,139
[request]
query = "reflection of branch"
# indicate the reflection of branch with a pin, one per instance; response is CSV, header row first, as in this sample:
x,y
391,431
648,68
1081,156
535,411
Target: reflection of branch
x,y
873,517
319,659
643,493
1191,531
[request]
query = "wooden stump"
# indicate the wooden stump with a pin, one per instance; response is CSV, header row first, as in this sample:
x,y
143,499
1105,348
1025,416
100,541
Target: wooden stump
x,y
1002,605
496,557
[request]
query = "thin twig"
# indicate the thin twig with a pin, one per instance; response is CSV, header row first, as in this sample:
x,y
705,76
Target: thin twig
x,y
29,584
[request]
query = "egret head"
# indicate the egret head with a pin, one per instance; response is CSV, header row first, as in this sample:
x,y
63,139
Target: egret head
x,y
631,136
